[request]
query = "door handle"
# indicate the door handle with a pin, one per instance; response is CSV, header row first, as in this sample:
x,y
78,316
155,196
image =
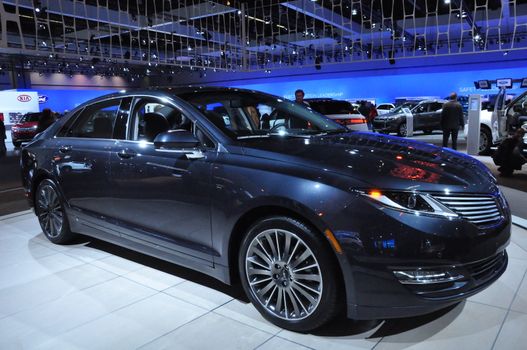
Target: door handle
x,y
126,154
64,149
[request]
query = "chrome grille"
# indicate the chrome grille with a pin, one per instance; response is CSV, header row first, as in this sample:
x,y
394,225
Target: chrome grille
x,y
478,209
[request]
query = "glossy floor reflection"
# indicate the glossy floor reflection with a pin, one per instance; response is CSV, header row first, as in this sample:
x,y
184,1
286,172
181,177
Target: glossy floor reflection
x,y
94,295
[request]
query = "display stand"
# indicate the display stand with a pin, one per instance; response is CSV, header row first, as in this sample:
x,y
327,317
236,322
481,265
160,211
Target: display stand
x,y
474,110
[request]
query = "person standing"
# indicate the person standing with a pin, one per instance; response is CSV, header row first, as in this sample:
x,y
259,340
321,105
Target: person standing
x,y
509,154
299,97
451,120
3,149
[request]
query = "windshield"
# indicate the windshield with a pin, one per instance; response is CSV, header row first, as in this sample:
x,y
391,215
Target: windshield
x,y
244,114
332,107
408,105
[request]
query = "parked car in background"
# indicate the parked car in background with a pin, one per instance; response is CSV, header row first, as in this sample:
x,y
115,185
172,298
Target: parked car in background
x,y
384,108
340,111
25,129
497,118
426,116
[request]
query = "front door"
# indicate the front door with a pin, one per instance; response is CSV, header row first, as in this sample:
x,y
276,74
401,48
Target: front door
x,y
160,195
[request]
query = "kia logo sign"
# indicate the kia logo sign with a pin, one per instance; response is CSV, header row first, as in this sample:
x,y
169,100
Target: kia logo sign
x,y
24,98
42,99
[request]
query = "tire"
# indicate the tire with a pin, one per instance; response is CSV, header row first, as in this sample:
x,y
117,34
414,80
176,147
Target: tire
x,y
312,302
485,140
17,144
428,131
401,130
52,217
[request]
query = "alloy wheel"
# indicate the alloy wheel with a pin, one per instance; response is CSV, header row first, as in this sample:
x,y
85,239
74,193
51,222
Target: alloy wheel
x,y
50,212
483,141
283,274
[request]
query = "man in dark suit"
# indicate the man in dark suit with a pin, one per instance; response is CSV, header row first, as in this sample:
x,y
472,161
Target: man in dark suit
x,y
451,120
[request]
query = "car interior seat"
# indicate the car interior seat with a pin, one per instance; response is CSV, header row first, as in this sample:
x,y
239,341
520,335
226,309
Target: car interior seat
x,y
102,128
155,123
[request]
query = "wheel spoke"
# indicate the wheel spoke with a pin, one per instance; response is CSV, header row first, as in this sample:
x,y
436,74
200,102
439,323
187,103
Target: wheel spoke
x,y
261,281
262,255
308,277
305,268
300,259
277,244
293,302
269,240
306,287
279,299
265,251
256,262
299,301
287,246
268,287
306,295
259,272
293,252
271,295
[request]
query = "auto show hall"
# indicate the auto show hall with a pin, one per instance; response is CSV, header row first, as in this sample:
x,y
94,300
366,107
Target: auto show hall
x,y
263,174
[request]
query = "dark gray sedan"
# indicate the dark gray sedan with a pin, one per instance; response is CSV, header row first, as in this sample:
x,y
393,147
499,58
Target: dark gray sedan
x,y
243,186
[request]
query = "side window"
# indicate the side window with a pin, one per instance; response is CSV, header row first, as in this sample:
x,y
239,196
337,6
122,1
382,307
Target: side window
x,y
421,108
96,121
434,107
151,116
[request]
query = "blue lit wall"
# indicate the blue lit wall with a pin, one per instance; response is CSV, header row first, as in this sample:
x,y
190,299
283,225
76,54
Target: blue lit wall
x,y
387,88
430,76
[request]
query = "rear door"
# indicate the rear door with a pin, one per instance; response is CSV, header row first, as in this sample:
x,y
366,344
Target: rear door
x,y
433,118
419,114
82,154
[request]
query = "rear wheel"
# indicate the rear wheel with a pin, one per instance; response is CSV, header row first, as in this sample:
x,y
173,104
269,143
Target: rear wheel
x,y
51,214
288,273
485,140
401,130
428,131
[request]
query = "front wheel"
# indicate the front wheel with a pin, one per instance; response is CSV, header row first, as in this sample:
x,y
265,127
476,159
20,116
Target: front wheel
x,y
288,273
17,144
401,131
51,214
485,141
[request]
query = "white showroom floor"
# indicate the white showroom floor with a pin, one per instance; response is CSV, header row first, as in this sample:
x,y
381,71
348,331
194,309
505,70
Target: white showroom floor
x,y
93,295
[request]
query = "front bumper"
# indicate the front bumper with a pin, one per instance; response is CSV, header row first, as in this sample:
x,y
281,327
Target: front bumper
x,y
394,241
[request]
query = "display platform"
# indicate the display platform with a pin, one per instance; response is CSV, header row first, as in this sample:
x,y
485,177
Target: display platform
x,y
94,295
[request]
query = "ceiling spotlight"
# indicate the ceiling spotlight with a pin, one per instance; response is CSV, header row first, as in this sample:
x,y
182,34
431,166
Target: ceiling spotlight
x,y
354,12
446,2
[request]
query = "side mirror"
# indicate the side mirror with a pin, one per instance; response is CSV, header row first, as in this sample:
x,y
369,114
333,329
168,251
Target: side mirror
x,y
176,139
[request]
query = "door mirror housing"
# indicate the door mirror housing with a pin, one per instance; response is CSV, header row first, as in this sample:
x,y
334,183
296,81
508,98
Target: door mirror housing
x,y
176,139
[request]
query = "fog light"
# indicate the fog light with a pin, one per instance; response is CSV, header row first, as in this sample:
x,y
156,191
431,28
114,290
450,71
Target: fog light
x,y
426,276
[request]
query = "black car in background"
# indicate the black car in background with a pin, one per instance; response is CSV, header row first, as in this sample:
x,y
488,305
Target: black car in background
x,y
426,116
245,186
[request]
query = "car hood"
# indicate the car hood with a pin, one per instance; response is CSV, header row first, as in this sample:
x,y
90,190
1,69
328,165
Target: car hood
x,y
380,161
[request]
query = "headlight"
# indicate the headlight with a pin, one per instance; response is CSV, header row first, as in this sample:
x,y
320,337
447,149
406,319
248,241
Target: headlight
x,y
411,202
